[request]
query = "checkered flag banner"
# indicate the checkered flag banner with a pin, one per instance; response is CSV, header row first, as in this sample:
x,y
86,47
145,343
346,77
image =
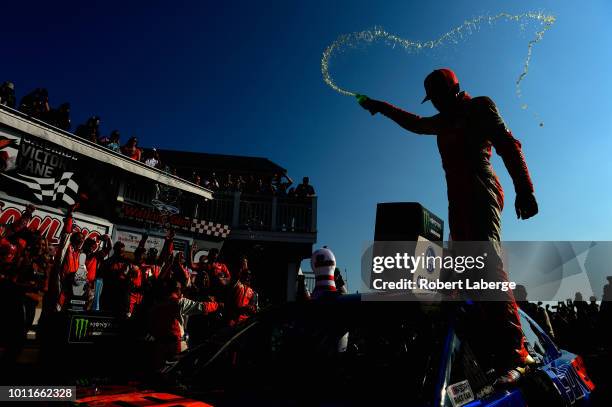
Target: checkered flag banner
x,y
49,190
209,228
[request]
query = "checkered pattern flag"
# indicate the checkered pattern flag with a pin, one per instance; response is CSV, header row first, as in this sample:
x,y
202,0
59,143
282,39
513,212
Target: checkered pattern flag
x,y
49,190
209,228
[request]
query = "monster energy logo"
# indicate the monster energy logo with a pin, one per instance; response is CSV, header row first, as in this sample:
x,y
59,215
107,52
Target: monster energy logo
x,y
431,225
80,327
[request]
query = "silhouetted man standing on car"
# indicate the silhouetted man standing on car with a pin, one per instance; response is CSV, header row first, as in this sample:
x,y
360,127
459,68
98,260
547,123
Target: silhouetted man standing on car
x,y
466,129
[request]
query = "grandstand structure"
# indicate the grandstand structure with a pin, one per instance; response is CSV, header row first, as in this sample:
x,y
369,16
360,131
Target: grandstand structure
x,y
52,168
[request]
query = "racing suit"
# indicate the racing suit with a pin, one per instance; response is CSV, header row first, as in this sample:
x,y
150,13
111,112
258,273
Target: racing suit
x,y
167,322
476,198
67,266
243,303
220,278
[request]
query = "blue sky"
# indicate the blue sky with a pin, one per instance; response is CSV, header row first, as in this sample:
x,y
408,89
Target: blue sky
x,y
244,78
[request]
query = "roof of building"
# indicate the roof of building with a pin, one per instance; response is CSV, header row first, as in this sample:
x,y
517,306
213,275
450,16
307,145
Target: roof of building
x,y
19,121
221,163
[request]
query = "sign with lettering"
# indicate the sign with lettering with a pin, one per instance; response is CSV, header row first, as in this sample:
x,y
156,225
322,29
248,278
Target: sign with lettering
x,y
152,216
50,222
132,239
39,158
87,328
44,172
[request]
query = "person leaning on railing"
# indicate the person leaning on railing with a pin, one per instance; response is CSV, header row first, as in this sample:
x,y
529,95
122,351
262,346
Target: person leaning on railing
x,y
131,149
304,190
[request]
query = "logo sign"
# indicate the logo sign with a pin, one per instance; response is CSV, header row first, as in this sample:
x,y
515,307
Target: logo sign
x,y
80,328
146,215
433,227
89,328
152,215
46,169
50,222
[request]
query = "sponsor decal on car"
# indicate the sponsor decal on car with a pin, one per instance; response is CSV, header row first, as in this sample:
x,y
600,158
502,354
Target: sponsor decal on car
x,y
460,393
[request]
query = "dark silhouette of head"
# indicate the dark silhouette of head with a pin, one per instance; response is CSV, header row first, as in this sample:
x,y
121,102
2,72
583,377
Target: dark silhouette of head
x,y
173,288
118,249
442,89
520,293
76,239
115,136
152,255
89,245
138,254
213,254
245,276
179,259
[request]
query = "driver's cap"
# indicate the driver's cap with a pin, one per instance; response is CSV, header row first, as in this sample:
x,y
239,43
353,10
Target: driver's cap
x,y
439,81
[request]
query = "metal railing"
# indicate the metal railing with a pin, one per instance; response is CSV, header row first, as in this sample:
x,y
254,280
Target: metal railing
x,y
240,211
266,213
309,281
140,193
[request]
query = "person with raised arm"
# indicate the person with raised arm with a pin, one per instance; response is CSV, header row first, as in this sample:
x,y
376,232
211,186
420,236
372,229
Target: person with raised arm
x,y
466,130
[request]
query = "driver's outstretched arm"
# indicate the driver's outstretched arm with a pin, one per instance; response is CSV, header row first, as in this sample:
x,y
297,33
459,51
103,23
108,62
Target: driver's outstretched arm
x,y
410,121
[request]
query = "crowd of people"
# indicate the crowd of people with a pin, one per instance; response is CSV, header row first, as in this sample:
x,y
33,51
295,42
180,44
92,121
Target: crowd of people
x,y
279,185
36,104
576,325
159,290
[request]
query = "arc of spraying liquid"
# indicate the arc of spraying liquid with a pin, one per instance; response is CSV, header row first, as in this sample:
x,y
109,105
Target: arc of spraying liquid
x,y
377,33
